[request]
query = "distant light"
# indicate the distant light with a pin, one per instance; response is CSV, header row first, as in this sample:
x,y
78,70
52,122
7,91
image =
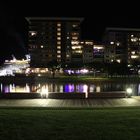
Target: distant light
x,y
98,89
129,92
118,60
42,46
84,71
134,56
111,42
133,52
118,44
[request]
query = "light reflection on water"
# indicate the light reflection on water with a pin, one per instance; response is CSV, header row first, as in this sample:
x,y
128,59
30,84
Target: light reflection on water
x,y
45,88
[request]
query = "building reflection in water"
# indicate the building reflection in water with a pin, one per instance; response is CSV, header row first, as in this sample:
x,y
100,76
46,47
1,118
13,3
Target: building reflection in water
x,y
45,88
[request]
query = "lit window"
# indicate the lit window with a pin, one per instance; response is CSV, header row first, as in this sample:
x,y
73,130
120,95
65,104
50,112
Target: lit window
x,y
58,47
42,46
88,43
133,52
75,42
58,29
74,33
58,51
134,39
118,44
68,37
59,34
74,25
58,56
78,51
118,60
59,24
58,38
132,35
67,55
111,42
58,42
134,56
33,33
74,38
76,47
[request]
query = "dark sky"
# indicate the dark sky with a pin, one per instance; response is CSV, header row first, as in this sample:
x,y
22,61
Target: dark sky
x,y
97,14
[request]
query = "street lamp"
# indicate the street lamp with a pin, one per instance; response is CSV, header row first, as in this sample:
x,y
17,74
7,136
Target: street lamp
x,y
129,92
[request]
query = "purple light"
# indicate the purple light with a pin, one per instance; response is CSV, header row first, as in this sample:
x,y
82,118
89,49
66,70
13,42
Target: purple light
x,y
69,88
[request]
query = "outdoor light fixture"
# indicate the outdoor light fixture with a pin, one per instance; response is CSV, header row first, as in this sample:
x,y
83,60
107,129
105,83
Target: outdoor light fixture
x,y
129,92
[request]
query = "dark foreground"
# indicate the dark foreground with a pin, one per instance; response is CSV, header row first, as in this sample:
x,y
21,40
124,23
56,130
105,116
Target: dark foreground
x,y
70,123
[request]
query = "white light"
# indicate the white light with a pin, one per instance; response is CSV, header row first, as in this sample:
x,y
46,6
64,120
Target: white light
x,y
111,42
118,60
129,90
134,56
84,71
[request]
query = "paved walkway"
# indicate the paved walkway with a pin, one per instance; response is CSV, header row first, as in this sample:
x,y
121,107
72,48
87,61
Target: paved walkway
x,y
122,102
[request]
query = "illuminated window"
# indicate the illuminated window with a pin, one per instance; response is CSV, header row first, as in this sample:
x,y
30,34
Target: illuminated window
x,y
75,38
59,24
74,25
67,55
58,47
58,42
58,34
33,33
58,56
58,29
75,42
78,51
58,51
118,60
132,35
89,43
74,34
134,56
118,44
111,42
58,38
42,46
133,52
134,39
68,37
76,47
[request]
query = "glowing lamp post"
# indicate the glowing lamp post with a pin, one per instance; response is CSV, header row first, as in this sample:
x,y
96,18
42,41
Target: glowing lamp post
x,y
129,92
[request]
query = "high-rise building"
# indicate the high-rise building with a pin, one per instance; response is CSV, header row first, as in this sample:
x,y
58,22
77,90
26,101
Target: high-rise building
x,y
122,45
54,39
87,51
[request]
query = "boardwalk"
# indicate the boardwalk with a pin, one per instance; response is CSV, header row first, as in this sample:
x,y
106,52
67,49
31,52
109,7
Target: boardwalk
x,y
121,102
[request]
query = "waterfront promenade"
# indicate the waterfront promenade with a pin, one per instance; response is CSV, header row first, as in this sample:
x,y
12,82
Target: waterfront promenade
x,y
89,103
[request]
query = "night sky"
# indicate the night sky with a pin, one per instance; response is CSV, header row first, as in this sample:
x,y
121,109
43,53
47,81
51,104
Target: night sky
x,y
98,15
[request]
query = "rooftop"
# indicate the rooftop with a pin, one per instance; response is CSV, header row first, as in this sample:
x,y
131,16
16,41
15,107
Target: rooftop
x,y
122,29
54,18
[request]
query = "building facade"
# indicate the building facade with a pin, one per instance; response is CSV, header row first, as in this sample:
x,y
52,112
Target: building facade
x,y
87,51
122,45
54,39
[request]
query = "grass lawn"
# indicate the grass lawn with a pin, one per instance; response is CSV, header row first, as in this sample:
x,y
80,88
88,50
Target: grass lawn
x,y
70,124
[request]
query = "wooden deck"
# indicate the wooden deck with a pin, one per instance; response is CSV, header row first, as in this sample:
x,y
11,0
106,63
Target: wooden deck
x,y
118,102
